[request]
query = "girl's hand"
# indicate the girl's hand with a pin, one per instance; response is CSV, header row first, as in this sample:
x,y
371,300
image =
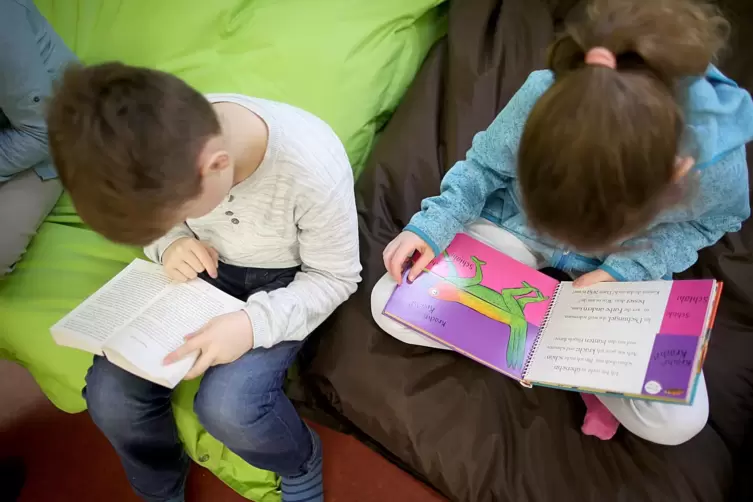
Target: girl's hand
x,y
400,250
223,340
592,278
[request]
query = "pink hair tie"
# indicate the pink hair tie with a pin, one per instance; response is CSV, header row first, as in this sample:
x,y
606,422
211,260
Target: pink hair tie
x,y
601,56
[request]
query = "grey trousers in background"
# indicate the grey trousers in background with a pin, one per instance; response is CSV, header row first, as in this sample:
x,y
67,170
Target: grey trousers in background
x,y
25,201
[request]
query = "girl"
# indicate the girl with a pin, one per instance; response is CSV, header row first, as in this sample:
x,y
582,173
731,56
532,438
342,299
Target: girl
x,y
618,164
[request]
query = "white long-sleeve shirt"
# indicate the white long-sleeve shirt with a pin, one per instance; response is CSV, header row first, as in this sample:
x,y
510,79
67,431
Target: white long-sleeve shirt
x,y
297,208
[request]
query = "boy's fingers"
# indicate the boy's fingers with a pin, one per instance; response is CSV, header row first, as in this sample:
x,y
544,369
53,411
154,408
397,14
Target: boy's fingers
x,y
187,270
175,275
420,264
192,335
194,262
214,254
192,345
209,263
200,366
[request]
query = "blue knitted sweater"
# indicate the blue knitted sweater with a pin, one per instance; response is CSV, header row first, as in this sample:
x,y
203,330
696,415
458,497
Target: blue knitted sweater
x,y
719,118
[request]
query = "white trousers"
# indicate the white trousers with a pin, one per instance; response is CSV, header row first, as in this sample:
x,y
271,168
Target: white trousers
x,y
662,423
25,201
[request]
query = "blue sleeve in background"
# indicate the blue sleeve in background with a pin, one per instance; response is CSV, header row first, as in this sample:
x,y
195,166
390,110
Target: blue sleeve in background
x,y
33,56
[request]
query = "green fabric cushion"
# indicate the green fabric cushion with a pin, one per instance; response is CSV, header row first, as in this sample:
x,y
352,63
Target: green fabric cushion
x,y
346,61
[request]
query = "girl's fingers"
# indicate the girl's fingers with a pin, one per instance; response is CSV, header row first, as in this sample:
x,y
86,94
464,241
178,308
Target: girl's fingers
x,y
582,282
592,278
422,262
398,260
389,249
388,253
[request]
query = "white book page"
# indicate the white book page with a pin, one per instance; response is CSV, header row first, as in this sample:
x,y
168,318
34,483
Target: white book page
x,y
101,315
162,326
601,337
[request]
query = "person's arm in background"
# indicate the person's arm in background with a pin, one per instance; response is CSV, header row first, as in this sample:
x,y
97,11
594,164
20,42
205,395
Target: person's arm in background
x,y
670,248
489,165
25,85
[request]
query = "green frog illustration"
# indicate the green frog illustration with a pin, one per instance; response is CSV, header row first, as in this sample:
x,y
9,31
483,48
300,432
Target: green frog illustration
x,y
505,306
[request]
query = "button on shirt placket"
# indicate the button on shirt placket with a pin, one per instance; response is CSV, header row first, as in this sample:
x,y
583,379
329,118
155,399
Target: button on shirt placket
x,y
234,221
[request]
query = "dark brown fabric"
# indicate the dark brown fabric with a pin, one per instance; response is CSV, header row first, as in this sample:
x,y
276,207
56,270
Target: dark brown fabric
x,y
474,434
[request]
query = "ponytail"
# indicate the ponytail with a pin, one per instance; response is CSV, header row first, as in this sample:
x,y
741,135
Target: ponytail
x,y
670,39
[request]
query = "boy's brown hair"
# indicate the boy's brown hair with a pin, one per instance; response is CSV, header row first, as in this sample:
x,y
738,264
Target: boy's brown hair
x,y
597,157
126,143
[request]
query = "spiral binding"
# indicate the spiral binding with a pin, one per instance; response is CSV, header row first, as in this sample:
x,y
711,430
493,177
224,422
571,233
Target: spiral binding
x,y
544,324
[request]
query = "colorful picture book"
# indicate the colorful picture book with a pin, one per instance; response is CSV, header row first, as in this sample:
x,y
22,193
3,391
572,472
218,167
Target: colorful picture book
x,y
644,340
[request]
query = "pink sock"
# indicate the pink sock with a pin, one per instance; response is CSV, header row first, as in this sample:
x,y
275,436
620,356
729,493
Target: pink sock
x,y
599,421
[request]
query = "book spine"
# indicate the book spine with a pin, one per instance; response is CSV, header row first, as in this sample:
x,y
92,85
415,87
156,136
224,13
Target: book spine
x,y
542,329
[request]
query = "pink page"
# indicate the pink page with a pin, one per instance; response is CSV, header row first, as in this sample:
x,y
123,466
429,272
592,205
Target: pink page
x,y
479,302
686,307
500,273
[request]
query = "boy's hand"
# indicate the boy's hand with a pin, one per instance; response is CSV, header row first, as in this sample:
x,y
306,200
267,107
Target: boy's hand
x,y
186,258
400,250
592,278
223,340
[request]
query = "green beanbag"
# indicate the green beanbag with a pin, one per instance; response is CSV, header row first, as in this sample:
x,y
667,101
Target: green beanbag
x,y
347,61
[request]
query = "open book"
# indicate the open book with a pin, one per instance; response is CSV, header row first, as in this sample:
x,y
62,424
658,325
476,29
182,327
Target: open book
x,y
645,340
139,317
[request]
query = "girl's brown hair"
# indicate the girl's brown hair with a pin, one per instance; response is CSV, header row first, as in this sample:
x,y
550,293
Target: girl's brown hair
x,y
597,157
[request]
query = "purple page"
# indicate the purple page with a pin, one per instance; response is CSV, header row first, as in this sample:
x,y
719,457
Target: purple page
x,y
671,365
478,302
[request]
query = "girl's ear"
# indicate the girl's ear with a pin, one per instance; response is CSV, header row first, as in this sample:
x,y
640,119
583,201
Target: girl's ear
x,y
683,165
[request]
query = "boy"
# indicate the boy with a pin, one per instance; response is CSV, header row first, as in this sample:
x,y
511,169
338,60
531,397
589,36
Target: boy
x,y
254,196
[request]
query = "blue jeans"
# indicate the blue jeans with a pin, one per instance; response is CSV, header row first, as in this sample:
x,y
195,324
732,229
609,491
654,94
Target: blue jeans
x,y
242,404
